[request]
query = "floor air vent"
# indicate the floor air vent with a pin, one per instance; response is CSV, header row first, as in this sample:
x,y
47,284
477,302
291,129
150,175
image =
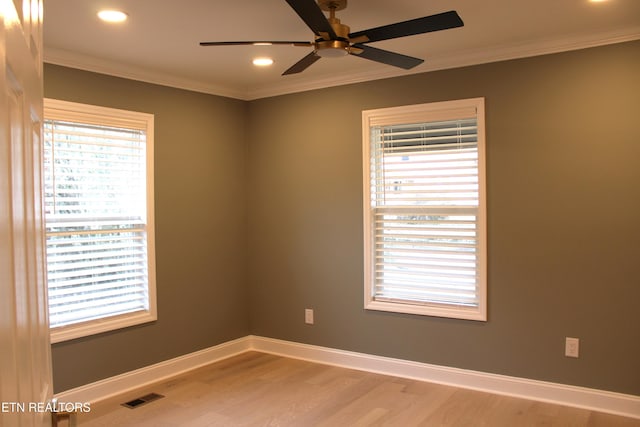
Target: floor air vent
x,y
142,400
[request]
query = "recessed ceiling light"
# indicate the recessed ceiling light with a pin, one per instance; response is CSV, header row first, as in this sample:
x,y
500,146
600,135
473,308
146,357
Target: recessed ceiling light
x,y
262,62
112,16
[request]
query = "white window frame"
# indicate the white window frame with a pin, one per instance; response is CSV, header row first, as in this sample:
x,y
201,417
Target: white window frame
x,y
103,116
415,114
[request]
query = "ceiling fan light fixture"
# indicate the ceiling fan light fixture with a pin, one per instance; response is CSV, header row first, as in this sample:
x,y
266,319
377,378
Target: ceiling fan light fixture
x,y
332,48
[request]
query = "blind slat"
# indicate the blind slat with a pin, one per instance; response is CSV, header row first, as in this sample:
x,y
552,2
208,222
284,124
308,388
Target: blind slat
x,y
67,290
81,281
76,314
99,254
99,298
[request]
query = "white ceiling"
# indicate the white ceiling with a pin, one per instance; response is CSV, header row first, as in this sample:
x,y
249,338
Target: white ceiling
x,y
159,41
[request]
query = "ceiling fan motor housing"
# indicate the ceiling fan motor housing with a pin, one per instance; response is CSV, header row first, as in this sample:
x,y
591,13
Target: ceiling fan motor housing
x,y
334,48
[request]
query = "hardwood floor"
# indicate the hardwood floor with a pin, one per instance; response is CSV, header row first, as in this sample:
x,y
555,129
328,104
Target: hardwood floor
x,y
257,389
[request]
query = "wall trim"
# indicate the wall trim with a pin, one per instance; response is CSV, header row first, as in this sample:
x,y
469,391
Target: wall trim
x,y
92,64
123,383
487,54
579,397
561,394
458,59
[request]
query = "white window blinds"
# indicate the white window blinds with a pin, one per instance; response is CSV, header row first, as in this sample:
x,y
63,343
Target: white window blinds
x,y
425,251
97,228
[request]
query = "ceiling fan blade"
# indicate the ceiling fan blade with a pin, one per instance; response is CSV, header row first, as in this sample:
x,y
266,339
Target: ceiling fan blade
x,y
386,57
313,16
256,43
441,21
302,65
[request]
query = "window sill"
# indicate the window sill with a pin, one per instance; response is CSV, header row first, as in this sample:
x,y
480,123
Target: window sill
x,y
67,333
471,313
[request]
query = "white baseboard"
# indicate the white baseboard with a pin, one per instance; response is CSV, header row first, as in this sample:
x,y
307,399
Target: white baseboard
x,y
580,397
113,386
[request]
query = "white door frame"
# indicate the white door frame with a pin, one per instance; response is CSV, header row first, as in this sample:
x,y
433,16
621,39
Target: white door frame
x,y
25,355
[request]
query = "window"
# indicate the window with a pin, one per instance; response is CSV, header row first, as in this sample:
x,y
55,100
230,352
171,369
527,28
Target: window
x,y
98,181
424,209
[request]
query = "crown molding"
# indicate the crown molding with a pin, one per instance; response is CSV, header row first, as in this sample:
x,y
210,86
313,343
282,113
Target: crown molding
x,y
504,52
458,59
78,61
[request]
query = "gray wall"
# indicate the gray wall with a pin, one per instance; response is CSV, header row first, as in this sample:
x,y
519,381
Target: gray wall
x,y
200,219
563,150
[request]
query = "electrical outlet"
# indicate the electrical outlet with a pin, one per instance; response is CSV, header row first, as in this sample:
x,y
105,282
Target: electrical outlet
x,y
308,316
572,347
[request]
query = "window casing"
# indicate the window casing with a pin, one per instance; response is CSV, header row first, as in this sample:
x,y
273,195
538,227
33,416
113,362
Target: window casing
x,y
98,181
425,209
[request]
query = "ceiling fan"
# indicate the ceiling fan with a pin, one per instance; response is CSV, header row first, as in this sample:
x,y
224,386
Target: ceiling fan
x,y
334,39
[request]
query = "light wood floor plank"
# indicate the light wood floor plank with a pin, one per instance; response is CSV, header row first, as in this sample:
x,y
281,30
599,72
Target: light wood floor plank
x,y
257,389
